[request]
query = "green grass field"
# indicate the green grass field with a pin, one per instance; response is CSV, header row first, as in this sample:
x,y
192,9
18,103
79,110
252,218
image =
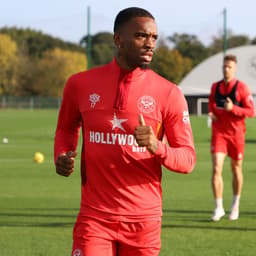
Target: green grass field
x,y
38,208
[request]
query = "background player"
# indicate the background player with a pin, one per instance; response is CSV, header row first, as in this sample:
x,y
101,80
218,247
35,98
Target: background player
x,y
230,102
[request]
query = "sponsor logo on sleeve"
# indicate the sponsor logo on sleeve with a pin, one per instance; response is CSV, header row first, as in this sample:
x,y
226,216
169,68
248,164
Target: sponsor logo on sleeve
x,y
185,118
249,99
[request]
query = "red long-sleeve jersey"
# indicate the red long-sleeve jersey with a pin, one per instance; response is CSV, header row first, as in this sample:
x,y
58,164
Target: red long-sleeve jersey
x,y
231,123
121,180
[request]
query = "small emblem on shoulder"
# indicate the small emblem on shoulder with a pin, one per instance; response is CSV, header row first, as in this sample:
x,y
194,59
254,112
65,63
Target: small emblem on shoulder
x,y
94,98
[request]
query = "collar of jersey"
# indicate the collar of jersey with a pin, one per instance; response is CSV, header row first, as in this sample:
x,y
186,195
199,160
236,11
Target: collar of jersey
x,y
129,76
231,83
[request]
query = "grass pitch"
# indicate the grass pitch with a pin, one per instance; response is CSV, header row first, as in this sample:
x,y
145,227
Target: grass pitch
x,y
38,208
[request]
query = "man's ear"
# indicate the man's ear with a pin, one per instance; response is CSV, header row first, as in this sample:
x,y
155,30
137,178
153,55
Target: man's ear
x,y
117,40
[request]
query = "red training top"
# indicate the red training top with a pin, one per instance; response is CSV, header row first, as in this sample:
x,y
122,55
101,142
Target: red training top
x,y
231,123
120,180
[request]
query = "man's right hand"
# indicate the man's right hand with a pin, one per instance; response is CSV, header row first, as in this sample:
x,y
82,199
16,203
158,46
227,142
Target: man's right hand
x,y
228,104
212,116
65,163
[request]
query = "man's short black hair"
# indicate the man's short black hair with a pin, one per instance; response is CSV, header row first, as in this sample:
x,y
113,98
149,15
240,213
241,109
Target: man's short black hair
x,y
127,14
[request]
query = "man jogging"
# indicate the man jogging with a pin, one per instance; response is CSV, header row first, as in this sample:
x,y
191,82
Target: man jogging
x,y
230,102
124,109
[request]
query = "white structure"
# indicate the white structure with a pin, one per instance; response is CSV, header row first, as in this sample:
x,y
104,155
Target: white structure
x,y
197,84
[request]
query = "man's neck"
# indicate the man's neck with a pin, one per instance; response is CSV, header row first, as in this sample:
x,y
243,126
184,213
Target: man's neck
x,y
122,64
227,81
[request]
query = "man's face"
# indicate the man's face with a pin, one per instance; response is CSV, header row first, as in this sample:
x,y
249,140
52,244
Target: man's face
x,y
229,69
136,41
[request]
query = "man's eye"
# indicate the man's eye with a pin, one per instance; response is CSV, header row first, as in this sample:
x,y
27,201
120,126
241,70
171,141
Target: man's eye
x,y
141,35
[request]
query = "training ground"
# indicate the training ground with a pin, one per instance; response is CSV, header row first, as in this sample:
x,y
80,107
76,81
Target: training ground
x,y
38,208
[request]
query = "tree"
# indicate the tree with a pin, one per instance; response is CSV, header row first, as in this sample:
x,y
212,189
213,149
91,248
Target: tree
x,y
26,74
8,62
26,67
36,42
232,41
238,40
170,64
189,47
102,47
54,68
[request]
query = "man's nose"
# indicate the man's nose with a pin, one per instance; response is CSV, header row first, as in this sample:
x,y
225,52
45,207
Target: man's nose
x,y
150,42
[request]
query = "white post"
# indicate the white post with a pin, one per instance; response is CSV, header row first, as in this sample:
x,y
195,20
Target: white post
x,y
31,103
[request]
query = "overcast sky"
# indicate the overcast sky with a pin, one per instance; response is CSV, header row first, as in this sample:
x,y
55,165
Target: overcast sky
x,y
67,19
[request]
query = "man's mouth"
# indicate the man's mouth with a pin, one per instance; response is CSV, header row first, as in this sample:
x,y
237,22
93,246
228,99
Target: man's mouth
x,y
147,56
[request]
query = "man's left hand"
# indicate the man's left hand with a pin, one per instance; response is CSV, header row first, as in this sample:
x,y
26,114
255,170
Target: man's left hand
x,y
228,104
145,136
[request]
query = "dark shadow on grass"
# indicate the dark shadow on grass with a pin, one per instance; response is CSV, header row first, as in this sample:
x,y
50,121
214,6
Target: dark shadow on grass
x,y
40,212
250,141
40,209
200,212
192,217
37,215
37,224
213,227
26,217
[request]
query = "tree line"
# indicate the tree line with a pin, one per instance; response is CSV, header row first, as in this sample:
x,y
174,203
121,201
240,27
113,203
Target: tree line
x,y
33,63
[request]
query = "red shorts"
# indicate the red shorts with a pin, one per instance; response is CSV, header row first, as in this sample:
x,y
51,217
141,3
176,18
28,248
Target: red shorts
x,y
232,146
92,237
